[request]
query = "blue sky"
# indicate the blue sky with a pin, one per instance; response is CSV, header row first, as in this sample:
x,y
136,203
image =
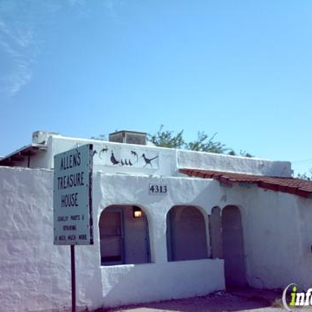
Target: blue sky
x,y
241,69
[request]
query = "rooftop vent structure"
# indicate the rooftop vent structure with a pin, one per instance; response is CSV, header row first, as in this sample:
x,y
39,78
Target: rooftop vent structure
x,y
130,137
41,137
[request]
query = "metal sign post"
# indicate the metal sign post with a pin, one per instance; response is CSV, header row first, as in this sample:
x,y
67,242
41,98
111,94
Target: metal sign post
x,y
73,276
72,202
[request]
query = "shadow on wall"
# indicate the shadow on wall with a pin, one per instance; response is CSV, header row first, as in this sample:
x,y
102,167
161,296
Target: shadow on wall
x,y
215,233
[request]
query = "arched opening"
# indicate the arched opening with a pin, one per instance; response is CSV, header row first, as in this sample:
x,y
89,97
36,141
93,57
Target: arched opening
x,y
233,247
186,234
124,237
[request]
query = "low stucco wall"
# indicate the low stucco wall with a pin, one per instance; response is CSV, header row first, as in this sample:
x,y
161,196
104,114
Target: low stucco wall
x,y
154,282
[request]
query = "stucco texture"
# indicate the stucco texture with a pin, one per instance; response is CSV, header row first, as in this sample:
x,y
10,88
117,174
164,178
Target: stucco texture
x,y
276,236
35,274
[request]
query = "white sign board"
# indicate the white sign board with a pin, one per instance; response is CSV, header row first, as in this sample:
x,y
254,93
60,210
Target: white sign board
x,y
72,198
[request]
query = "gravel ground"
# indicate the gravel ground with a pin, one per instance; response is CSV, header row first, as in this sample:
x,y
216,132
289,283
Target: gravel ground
x,y
235,300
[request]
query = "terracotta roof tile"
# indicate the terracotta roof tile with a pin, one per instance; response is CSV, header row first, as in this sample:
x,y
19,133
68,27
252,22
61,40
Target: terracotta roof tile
x,y
287,185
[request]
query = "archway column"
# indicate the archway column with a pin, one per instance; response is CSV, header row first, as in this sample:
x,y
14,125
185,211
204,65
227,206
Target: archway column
x,y
157,231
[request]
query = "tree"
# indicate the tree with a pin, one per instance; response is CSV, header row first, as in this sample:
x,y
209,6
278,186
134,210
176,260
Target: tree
x,y
167,139
305,176
203,143
101,137
206,144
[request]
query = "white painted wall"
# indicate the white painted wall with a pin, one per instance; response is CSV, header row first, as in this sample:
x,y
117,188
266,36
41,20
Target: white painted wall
x,y
155,282
164,164
165,280
35,274
277,236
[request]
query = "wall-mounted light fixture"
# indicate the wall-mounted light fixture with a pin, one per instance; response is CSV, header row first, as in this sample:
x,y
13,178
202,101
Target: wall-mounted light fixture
x,y
137,212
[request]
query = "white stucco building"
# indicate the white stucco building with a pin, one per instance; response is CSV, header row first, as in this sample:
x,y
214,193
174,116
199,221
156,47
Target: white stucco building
x,y
207,221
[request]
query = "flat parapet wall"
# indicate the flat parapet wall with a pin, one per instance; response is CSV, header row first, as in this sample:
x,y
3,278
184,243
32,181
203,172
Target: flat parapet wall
x,y
129,158
220,162
144,159
120,157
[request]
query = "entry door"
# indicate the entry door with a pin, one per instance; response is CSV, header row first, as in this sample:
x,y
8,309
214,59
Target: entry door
x,y
112,238
233,247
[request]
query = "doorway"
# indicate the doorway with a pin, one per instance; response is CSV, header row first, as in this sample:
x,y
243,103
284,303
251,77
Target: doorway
x,y
233,247
112,237
124,236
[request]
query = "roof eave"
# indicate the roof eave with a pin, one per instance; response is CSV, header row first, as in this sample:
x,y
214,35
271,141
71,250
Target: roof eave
x,y
20,154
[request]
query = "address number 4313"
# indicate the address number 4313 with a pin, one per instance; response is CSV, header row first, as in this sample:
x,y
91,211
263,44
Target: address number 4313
x,y
155,188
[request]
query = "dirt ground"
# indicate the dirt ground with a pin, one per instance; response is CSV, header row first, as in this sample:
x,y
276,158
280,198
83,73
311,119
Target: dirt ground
x,y
232,300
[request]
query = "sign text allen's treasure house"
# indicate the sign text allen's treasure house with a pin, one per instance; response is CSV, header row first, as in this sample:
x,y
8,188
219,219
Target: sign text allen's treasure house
x,y
72,197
